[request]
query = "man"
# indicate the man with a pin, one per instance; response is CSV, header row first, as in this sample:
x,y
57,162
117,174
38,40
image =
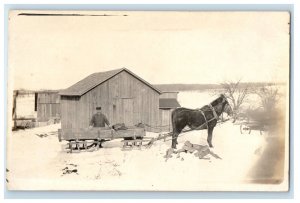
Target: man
x,y
99,119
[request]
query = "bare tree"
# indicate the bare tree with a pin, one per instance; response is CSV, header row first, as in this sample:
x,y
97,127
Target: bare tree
x,y
236,94
269,96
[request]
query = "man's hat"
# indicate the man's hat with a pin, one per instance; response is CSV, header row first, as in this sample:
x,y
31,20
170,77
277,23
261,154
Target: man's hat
x,y
98,108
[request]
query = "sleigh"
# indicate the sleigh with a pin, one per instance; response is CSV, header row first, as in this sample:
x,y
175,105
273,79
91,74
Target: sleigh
x,y
256,120
89,139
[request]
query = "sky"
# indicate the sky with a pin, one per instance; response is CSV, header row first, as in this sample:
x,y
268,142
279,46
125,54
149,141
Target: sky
x,y
54,52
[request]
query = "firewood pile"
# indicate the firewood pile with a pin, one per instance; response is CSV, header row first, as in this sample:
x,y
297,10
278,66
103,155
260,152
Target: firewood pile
x,y
200,151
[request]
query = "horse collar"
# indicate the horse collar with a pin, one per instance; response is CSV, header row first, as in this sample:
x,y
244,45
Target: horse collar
x,y
214,111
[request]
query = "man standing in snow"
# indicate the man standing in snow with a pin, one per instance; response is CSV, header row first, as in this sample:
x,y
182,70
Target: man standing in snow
x,y
99,119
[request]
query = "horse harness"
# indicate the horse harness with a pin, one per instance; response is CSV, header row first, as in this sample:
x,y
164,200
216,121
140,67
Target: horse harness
x,y
206,122
216,117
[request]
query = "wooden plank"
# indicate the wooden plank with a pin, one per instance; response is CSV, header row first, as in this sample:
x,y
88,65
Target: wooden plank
x,y
68,113
73,134
61,112
72,114
83,112
41,98
165,119
48,115
64,116
48,97
128,112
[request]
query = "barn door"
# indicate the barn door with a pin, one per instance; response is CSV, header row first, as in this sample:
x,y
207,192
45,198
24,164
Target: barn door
x,y
127,111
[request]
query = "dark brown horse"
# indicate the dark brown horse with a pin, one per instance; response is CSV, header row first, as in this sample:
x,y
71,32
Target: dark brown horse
x,y
199,119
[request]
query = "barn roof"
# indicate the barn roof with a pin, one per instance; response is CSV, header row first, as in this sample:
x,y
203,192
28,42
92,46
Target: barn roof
x,y
168,103
96,79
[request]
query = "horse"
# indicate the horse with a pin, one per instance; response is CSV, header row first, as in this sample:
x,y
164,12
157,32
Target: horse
x,y
199,119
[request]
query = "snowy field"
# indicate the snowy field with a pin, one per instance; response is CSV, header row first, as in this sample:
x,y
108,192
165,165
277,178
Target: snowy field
x,y
38,163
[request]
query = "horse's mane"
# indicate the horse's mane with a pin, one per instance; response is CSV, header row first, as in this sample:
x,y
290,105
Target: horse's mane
x,y
197,109
219,100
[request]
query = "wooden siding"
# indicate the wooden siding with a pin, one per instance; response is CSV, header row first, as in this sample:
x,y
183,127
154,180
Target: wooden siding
x,y
165,114
165,118
123,98
69,114
48,106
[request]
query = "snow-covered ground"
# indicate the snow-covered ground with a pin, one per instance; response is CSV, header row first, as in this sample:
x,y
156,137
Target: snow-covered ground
x,y
38,163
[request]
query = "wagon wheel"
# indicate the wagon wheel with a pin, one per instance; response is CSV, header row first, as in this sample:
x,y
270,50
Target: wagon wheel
x,y
263,129
245,129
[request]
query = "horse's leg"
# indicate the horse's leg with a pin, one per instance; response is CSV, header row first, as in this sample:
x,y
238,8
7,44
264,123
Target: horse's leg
x,y
176,132
209,136
174,139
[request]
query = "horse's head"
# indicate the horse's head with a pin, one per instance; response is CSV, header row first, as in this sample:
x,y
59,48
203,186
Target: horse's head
x,y
227,108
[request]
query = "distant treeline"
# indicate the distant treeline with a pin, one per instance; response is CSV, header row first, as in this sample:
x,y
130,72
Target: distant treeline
x,y
191,87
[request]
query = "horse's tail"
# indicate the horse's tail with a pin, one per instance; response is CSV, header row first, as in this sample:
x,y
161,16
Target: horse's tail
x,y
173,122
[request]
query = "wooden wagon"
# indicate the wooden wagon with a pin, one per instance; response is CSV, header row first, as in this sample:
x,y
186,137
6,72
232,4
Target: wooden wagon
x,y
247,127
256,119
86,138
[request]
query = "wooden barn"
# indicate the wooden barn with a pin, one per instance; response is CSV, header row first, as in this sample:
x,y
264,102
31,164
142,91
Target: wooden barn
x,y
123,96
167,103
48,105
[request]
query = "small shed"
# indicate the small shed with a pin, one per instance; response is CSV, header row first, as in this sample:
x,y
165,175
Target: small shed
x,y
48,105
123,96
167,103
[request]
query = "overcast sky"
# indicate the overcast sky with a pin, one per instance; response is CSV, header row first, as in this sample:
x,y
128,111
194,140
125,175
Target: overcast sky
x,y
54,52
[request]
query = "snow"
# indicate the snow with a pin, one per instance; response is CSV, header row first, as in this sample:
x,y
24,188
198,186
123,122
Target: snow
x,y
39,163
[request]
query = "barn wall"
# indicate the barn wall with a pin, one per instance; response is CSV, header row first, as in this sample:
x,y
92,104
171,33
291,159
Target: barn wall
x,y
69,112
123,98
48,106
165,119
165,114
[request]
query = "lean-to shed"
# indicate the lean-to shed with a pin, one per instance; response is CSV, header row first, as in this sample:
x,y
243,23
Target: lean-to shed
x,y
167,103
123,96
